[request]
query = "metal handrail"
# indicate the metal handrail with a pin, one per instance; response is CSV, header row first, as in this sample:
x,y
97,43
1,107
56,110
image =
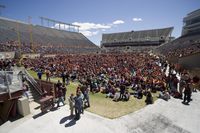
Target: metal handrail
x,y
33,82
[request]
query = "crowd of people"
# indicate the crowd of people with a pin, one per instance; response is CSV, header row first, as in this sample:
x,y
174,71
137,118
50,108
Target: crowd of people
x,y
113,74
180,47
11,46
77,102
27,48
181,52
116,74
7,64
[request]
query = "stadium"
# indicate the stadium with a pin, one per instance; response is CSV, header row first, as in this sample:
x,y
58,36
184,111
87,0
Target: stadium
x,y
55,78
136,40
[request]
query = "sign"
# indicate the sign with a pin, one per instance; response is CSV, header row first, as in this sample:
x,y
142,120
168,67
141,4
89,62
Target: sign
x,y
7,55
31,56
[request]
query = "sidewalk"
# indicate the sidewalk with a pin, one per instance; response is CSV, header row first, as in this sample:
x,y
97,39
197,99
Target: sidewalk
x,y
161,117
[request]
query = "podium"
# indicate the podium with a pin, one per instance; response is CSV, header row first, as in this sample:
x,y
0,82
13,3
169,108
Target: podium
x,y
46,103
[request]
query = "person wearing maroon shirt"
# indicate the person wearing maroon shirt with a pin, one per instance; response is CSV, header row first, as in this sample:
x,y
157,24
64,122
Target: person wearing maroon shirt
x,y
60,93
187,93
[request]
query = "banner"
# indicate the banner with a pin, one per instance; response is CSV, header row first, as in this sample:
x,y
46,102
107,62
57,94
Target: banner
x,y
49,55
31,56
7,55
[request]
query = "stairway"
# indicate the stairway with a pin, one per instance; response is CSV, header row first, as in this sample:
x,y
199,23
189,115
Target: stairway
x,y
35,91
33,94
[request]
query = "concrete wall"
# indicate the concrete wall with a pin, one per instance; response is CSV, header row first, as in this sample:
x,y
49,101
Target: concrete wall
x,y
7,55
23,106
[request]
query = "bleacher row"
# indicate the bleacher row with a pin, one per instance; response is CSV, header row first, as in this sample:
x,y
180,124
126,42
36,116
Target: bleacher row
x,y
9,30
137,36
179,43
184,45
130,49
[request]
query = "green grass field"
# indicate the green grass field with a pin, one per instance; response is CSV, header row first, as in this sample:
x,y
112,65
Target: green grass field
x,y
105,106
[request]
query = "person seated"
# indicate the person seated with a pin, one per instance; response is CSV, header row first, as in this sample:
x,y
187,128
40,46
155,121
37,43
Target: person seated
x,y
111,92
176,94
105,89
94,87
133,86
138,94
149,98
126,96
117,96
122,90
164,95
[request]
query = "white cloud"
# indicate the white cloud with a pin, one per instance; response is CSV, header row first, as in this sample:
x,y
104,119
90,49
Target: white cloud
x,y
137,19
89,33
90,29
118,22
91,26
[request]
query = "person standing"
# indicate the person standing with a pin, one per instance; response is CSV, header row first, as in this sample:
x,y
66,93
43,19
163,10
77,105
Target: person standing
x,y
58,84
64,90
187,93
48,74
39,74
71,104
59,93
78,105
63,76
86,96
25,88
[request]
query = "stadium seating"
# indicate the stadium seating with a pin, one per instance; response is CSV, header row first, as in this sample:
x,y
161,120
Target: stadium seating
x,y
182,46
137,36
44,36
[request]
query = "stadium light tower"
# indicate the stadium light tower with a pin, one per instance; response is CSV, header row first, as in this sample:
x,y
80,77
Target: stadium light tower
x,y
31,35
19,39
2,7
71,27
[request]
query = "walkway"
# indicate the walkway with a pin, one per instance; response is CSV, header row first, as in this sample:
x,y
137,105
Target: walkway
x,y
161,117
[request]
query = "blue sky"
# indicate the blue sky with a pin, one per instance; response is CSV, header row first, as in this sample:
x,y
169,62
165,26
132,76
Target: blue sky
x,y
104,16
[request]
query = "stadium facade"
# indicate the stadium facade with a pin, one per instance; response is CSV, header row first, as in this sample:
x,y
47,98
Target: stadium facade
x,y
136,40
191,23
